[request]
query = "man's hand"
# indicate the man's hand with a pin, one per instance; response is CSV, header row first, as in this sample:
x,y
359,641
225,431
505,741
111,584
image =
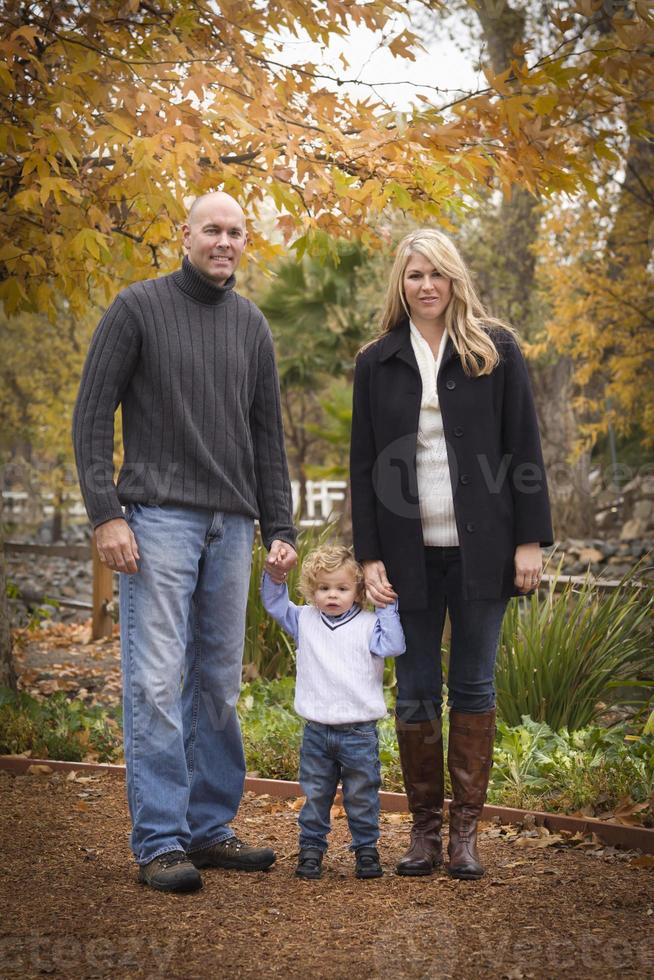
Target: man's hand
x,y
378,589
117,546
528,563
281,558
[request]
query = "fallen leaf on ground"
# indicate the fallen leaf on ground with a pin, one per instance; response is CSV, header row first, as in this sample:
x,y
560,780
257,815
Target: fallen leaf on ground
x,y
396,817
530,842
644,861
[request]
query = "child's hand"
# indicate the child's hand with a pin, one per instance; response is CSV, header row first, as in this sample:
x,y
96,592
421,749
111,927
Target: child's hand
x,y
281,558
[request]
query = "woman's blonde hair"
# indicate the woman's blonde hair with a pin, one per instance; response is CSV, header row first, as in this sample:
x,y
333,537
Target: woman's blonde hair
x,y
330,558
466,319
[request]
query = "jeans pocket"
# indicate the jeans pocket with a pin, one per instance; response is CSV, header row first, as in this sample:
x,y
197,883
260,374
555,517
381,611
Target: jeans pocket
x,y
366,731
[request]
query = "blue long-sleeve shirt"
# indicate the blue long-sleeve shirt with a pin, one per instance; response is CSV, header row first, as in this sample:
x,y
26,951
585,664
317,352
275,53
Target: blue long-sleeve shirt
x,y
387,638
340,659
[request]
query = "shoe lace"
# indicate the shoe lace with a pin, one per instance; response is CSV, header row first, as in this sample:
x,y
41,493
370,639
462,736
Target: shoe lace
x,y
173,857
234,843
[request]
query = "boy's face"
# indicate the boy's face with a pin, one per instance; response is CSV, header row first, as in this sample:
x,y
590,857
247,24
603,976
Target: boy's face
x,y
335,591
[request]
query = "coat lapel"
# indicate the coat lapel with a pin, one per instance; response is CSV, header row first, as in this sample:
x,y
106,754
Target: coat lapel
x,y
397,343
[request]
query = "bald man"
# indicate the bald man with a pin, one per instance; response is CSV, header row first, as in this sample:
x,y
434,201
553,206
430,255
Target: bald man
x,y
191,363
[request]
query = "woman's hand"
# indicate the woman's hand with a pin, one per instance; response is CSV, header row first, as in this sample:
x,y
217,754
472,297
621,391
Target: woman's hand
x,y
528,562
378,589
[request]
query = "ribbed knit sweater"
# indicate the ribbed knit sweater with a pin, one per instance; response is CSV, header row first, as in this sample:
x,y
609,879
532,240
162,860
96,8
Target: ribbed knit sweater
x,y
432,467
193,368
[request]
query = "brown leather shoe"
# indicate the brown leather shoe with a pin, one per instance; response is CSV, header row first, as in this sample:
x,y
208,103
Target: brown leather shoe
x,y
469,759
421,755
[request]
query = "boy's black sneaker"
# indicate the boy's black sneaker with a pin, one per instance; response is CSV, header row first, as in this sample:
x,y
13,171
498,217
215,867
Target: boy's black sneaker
x,y
309,863
171,872
368,865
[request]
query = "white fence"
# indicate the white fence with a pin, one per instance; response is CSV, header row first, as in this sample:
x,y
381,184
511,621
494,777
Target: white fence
x,y
324,500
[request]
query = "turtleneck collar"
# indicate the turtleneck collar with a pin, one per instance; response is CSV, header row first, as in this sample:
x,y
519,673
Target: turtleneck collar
x,y
199,287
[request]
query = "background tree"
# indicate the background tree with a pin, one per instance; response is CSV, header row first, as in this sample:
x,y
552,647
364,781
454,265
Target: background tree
x,y
319,321
112,113
502,240
596,270
40,366
7,672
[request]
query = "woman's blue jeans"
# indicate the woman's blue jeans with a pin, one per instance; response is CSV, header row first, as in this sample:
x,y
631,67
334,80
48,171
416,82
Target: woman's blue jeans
x,y
476,625
182,624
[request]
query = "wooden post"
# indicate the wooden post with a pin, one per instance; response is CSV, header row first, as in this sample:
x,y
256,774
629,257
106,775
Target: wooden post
x,y
103,593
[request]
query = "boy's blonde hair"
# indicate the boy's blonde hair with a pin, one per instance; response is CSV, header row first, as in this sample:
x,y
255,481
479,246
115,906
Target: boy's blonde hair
x,y
330,558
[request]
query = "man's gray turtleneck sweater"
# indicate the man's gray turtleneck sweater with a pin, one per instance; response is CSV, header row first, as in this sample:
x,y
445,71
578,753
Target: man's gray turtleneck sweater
x,y
192,365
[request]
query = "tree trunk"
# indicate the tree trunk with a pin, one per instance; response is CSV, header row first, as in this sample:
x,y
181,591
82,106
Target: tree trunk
x,y
513,297
568,480
7,672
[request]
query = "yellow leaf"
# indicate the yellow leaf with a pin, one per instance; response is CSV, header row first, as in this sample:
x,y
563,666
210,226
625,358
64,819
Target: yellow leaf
x,y
543,104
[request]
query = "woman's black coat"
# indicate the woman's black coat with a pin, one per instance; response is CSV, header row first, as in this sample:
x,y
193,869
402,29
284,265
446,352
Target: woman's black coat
x,y
498,479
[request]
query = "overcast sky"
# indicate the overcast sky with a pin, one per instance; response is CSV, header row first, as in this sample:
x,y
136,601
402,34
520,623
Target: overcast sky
x,y
444,65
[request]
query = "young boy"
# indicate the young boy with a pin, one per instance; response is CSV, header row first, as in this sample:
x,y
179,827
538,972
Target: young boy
x,y
339,693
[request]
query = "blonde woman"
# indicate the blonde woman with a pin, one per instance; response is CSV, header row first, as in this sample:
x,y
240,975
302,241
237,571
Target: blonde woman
x,y
449,512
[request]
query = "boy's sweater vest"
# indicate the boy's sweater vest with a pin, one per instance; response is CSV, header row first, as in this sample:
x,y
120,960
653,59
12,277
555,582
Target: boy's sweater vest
x,y
339,681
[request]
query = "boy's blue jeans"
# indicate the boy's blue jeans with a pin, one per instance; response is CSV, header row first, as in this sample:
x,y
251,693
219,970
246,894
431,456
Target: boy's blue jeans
x,y
182,624
349,753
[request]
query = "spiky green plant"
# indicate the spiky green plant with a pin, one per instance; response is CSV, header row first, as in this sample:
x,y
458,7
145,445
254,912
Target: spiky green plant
x,y
561,654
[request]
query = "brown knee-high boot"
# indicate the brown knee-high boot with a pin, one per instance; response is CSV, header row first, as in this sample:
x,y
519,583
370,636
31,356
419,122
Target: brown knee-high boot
x,y
469,759
421,755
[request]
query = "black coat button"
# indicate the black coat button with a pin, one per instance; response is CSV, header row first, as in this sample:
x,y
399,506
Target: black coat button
x,y
458,431
470,527
465,479
450,384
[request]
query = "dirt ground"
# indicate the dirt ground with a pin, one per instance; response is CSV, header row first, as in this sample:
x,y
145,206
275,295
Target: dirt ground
x,y
71,906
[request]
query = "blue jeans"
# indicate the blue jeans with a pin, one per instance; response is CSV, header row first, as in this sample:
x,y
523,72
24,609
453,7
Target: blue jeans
x,y
476,625
182,625
349,753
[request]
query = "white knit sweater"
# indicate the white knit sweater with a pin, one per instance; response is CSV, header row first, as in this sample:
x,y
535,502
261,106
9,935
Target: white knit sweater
x,y
434,485
338,679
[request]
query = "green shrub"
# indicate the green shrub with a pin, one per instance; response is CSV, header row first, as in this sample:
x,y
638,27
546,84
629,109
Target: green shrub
x,y
560,655
591,768
272,732
57,728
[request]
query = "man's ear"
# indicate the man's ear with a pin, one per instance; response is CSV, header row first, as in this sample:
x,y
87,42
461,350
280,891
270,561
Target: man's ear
x,y
186,233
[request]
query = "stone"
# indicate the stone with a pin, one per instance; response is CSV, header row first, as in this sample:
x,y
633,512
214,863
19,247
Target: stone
x,y
647,487
632,529
606,498
618,570
632,487
643,510
590,556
